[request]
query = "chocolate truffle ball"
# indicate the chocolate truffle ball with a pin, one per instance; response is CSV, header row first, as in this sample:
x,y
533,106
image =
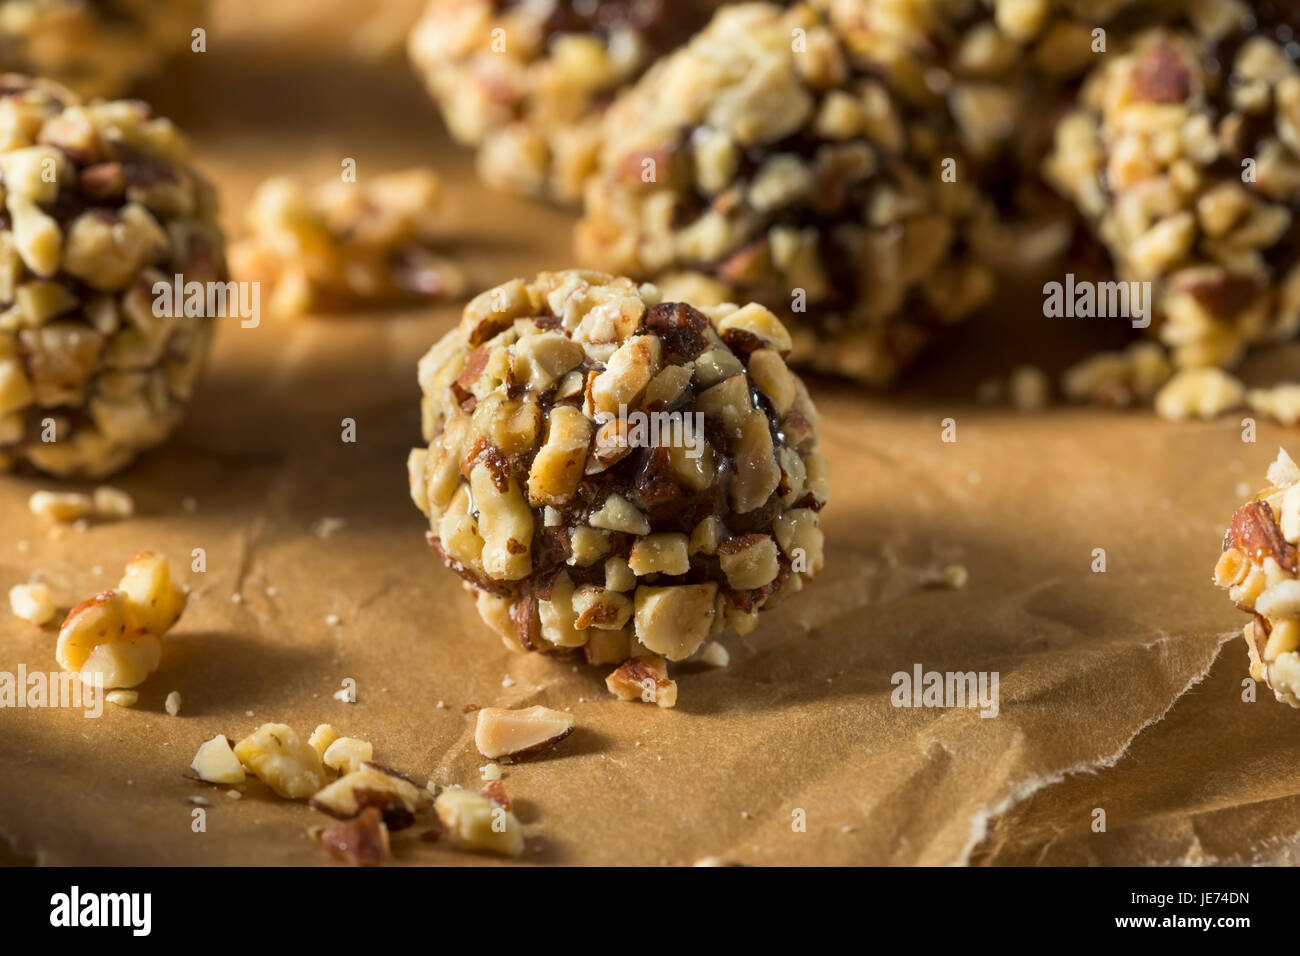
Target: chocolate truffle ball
x,y
757,163
96,47
1260,568
100,206
526,83
614,472
1184,154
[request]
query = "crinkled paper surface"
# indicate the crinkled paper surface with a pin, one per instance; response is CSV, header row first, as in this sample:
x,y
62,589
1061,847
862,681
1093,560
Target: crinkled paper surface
x,y
1117,689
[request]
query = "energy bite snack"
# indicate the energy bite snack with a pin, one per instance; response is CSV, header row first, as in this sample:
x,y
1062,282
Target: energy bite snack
x,y
97,47
526,82
756,163
1185,154
613,472
100,205
1260,568
343,244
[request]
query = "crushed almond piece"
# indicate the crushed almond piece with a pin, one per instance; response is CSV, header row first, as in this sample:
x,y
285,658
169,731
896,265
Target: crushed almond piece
x,y
216,762
502,732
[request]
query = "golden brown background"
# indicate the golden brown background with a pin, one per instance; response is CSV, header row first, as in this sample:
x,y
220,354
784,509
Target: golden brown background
x,y
1118,691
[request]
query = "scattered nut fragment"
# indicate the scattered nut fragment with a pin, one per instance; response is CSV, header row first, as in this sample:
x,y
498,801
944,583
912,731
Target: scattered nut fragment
x,y
346,754
282,761
1199,393
490,772
112,502
714,655
122,698
173,703
1030,389
32,602
1118,379
396,797
371,241
643,678
115,638
479,824
60,506
1281,402
321,738
502,732
216,762
954,577
362,841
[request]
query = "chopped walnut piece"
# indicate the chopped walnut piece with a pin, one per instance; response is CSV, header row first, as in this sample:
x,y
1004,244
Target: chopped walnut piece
x,y
479,824
362,841
370,241
1199,393
115,637
282,761
503,733
643,678
321,738
347,754
398,798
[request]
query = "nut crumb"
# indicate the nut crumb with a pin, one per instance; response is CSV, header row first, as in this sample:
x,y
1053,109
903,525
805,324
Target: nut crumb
x,y
173,703
33,603
122,698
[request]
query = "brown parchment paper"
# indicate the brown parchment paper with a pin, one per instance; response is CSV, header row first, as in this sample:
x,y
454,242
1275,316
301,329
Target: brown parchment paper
x,y
1117,689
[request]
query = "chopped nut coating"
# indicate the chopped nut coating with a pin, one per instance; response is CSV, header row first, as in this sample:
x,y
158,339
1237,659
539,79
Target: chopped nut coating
x,y
667,493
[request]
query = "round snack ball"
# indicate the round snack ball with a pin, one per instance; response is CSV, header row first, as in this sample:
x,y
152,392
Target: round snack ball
x,y
756,163
1260,568
1184,153
96,47
611,471
527,82
100,205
